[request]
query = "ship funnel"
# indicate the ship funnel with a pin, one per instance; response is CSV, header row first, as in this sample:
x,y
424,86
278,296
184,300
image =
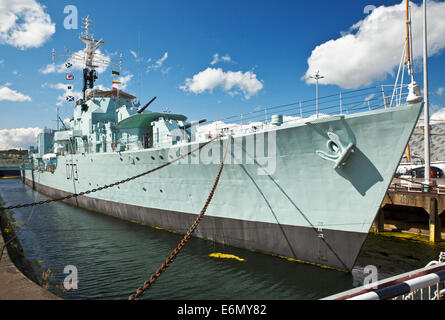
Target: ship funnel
x,y
145,107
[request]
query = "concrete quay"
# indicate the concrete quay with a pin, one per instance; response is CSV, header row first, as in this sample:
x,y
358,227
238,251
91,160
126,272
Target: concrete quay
x,y
14,285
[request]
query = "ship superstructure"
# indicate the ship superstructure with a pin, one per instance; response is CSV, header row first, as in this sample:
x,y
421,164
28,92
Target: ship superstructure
x,y
111,121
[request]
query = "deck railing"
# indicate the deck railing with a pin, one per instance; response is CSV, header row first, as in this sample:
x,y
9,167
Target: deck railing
x,y
436,185
427,283
347,102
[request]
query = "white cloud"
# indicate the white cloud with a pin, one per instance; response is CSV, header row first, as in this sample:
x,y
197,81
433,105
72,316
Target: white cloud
x,y
59,86
101,87
229,81
166,70
18,138
66,92
161,61
369,98
24,24
440,91
51,68
76,59
134,54
226,58
217,58
438,116
158,64
12,95
373,47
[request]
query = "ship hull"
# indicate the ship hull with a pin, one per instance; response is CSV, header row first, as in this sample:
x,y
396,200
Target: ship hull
x,y
299,199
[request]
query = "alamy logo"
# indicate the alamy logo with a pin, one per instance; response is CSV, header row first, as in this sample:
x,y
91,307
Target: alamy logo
x,y
70,282
369,8
71,20
371,278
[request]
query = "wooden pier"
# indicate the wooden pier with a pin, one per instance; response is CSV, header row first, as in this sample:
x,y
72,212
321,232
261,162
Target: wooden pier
x,y
404,194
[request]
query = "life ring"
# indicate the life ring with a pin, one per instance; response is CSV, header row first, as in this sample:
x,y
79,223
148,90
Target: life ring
x,y
112,146
209,135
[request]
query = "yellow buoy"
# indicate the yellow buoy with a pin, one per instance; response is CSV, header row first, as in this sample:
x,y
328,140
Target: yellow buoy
x,y
225,256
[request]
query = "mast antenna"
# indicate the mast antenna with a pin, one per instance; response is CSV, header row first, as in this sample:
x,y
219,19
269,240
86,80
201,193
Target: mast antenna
x,y
317,77
413,89
139,67
88,59
426,115
408,36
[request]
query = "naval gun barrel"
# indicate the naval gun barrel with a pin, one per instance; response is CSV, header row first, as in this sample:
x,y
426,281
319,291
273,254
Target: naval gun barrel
x,y
145,107
63,123
192,124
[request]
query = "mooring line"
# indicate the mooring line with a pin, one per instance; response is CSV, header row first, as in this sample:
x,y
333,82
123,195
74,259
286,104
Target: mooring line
x,y
75,195
147,284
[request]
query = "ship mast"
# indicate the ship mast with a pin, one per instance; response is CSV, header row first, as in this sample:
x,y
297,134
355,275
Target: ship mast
x,y
91,45
88,59
426,102
413,89
408,41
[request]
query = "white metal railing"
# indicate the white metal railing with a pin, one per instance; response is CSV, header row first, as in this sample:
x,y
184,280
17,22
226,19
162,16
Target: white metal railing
x,y
437,185
427,283
347,102
427,287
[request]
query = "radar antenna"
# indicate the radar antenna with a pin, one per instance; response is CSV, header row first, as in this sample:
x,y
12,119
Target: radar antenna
x,y
88,59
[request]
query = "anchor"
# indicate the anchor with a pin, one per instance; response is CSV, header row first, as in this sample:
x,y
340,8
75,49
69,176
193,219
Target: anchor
x,y
339,152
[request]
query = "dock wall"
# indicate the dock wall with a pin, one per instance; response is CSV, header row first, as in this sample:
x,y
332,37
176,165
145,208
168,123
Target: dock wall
x,y
412,212
14,285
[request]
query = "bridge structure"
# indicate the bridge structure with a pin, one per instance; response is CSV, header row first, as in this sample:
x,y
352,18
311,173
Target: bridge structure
x,y
12,167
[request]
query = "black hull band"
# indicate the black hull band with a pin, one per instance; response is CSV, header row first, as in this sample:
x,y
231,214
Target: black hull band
x,y
326,247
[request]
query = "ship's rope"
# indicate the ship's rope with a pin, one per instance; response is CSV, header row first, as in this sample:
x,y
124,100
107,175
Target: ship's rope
x,y
75,195
147,284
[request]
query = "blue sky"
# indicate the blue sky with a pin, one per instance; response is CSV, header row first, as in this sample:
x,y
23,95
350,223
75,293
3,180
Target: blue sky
x,y
264,45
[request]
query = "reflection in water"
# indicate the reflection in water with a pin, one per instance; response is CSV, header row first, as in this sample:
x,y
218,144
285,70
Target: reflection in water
x,y
114,257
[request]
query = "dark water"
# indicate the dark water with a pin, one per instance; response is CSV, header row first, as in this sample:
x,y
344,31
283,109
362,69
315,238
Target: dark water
x,y
114,257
